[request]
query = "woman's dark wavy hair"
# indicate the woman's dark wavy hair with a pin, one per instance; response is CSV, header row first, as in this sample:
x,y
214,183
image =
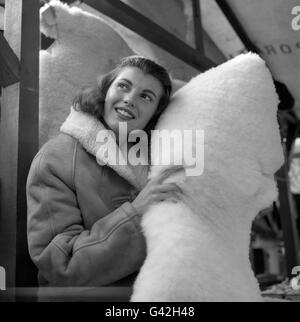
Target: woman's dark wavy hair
x,y
91,100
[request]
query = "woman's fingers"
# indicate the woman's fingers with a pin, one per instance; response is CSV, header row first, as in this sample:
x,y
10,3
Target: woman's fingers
x,y
170,195
169,187
167,173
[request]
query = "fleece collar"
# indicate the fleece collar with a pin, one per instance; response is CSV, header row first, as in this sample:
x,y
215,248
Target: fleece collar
x,y
85,128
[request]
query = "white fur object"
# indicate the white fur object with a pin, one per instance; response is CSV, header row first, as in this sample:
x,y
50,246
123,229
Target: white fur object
x,y
85,47
198,249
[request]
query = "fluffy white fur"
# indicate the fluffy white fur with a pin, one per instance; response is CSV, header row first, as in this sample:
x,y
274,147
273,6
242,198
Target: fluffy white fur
x,y
85,48
198,249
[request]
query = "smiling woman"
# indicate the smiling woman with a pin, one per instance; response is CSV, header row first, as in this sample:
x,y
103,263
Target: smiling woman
x,y
136,91
133,97
84,213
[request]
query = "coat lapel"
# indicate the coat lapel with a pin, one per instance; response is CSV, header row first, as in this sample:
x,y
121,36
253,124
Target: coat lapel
x,y
85,128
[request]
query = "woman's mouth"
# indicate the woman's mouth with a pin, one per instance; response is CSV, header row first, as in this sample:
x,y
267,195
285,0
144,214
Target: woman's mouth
x,y
124,114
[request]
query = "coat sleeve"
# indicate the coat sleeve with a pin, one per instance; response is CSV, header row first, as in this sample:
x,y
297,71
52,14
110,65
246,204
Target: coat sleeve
x,y
65,253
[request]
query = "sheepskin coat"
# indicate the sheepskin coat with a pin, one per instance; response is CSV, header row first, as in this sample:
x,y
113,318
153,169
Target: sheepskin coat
x,y
82,228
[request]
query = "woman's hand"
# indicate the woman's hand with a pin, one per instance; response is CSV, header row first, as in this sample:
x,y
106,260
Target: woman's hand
x,y
156,191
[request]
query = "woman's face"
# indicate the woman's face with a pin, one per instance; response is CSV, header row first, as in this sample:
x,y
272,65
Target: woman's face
x,y
133,98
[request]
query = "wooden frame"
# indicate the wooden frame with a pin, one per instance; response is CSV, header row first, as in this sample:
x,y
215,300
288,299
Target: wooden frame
x,y
288,220
9,64
143,26
19,137
236,25
198,31
19,119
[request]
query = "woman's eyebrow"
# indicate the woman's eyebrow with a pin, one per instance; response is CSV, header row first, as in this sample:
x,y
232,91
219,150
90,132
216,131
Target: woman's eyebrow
x,y
145,90
150,92
126,80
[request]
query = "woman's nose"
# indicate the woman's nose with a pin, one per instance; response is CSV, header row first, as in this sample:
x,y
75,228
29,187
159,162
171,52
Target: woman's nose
x,y
129,101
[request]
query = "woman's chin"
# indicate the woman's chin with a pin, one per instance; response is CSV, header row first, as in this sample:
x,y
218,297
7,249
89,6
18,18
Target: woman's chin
x,y
118,127
123,126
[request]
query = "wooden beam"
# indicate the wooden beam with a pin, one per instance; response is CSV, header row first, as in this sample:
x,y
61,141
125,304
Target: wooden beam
x,y
28,136
143,26
19,140
198,26
288,220
236,25
68,294
9,64
8,150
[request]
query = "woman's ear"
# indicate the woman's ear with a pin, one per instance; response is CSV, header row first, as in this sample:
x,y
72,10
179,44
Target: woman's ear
x,y
48,21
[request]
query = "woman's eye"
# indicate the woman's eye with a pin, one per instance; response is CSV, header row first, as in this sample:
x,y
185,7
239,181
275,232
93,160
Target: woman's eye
x,y
122,85
147,97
